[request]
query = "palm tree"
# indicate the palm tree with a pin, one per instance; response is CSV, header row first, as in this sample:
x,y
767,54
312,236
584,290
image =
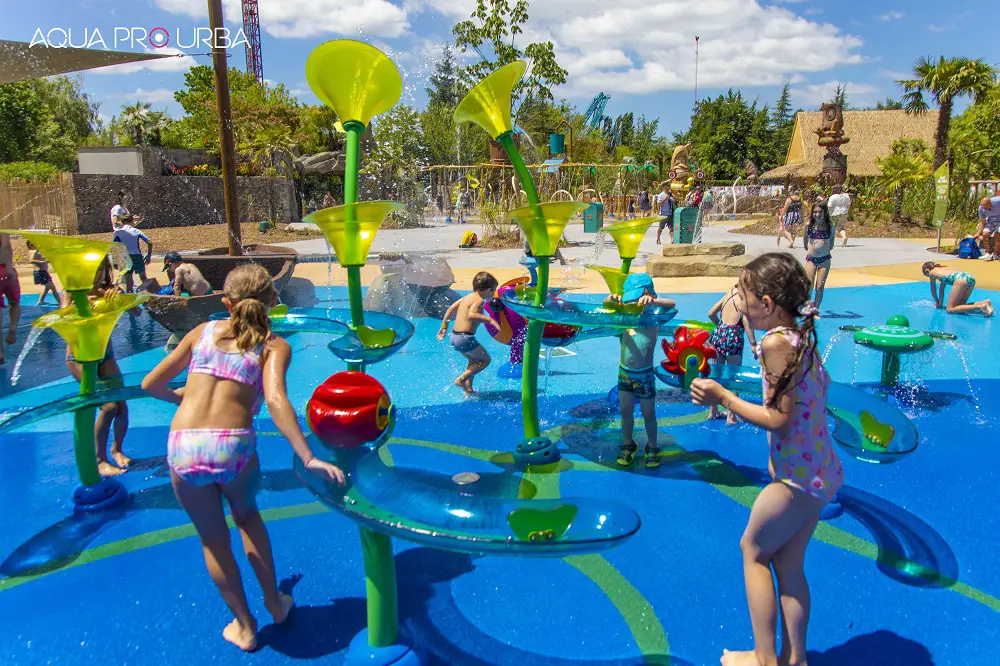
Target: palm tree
x,y
945,80
134,118
908,163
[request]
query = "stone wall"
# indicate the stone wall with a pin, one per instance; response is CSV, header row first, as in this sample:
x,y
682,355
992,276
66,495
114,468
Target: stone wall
x,y
178,201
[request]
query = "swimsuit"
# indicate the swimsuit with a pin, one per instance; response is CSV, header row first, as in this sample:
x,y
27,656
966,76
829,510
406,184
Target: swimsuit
x,y
464,342
802,454
638,380
793,214
728,338
42,277
818,260
217,455
960,275
10,288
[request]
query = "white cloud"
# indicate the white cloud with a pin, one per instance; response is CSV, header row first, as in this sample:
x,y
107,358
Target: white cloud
x,y
895,75
647,46
154,96
308,18
941,28
813,11
182,63
817,93
892,15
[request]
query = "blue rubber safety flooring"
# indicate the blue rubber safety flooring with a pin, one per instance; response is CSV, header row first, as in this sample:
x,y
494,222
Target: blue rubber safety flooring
x,y
907,576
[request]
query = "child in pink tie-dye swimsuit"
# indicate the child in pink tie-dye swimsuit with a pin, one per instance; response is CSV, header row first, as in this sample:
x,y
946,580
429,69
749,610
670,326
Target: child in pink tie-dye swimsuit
x,y
805,469
231,365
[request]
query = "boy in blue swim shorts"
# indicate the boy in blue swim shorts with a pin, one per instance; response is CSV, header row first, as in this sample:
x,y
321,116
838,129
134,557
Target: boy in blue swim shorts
x,y
468,314
635,372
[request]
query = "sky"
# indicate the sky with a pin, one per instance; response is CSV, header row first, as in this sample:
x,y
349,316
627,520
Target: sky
x,y
640,52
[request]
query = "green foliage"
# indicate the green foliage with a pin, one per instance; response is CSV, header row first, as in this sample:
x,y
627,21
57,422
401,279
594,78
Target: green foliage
x,y
944,81
28,172
318,129
444,146
20,114
644,139
888,104
262,115
490,32
908,164
446,89
727,131
782,125
141,125
394,164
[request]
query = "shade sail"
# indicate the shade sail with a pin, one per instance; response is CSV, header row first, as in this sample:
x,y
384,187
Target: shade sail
x,y
19,62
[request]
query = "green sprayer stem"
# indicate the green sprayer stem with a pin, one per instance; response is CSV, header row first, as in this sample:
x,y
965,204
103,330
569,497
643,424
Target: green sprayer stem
x,y
533,341
84,448
380,585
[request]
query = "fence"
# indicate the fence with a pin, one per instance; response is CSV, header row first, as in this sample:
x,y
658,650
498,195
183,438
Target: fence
x,y
48,205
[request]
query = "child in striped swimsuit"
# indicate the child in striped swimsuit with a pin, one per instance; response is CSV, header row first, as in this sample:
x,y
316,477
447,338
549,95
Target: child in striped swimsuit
x,y
212,453
804,467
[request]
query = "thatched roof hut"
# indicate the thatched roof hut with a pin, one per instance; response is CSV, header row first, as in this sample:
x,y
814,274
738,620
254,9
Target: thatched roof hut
x,y
871,132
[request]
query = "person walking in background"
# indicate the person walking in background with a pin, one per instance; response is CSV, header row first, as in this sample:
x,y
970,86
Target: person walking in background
x,y
119,212
789,218
839,204
41,274
989,227
328,200
645,207
129,236
666,202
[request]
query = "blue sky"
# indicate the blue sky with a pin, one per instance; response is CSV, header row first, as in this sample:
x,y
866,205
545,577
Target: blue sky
x,y
641,52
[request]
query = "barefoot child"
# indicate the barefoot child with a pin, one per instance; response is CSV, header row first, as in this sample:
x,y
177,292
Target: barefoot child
x,y
635,372
727,338
41,274
962,284
818,241
468,314
805,469
233,365
110,375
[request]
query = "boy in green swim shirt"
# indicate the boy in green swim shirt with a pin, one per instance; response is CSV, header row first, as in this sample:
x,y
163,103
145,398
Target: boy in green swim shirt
x,y
635,372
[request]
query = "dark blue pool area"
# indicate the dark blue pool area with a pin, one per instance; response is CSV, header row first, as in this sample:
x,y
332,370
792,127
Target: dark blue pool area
x,y
907,576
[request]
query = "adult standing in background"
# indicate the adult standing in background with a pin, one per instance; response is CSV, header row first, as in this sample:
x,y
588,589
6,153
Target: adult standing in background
x,y
328,201
119,212
666,202
839,204
989,227
129,236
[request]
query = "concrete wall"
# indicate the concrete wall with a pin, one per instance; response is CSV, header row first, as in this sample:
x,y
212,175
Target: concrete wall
x,y
178,201
127,161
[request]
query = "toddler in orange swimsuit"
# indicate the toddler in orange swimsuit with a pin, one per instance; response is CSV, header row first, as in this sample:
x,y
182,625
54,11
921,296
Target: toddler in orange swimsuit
x,y
804,467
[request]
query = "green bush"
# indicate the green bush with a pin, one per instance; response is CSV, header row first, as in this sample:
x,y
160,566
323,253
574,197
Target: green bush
x,y
29,172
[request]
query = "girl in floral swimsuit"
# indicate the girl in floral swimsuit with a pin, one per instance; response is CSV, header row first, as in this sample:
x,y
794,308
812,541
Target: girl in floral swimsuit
x,y
805,469
212,452
727,338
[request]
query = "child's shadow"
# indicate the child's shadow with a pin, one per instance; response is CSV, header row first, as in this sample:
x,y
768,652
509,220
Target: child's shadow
x,y
880,648
311,632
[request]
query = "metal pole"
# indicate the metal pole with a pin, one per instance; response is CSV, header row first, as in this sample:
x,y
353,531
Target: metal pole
x,y
227,152
696,38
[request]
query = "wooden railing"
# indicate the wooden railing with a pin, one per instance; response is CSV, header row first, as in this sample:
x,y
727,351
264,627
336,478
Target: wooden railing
x,y
49,205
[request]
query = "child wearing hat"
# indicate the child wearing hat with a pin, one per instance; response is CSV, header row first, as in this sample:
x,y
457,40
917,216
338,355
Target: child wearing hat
x,y
635,371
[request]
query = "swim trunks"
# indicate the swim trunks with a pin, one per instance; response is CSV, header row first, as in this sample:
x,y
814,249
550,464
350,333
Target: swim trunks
x,y
640,382
465,343
10,288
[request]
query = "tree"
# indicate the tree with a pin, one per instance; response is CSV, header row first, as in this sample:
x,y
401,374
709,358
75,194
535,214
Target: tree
x,y
68,118
20,114
840,96
908,163
627,129
782,123
444,81
257,109
944,81
395,161
490,32
142,125
644,139
444,145
726,132
888,104
319,129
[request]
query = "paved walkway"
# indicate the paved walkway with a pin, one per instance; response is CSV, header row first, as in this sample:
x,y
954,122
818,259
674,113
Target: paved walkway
x,y
443,241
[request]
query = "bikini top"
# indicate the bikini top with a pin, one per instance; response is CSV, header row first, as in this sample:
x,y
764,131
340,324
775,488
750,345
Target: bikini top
x,y
245,368
820,233
794,206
